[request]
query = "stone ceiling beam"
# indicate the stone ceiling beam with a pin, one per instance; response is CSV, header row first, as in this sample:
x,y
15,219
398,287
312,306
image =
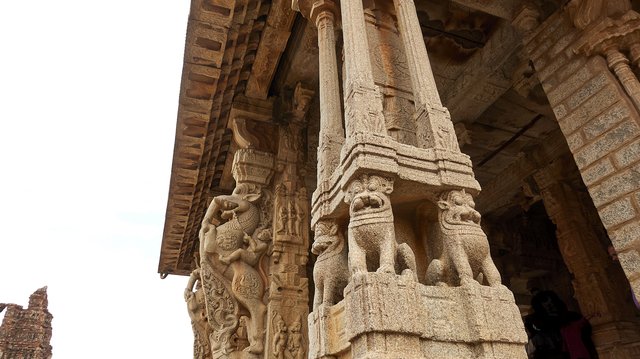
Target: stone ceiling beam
x,y
499,192
272,44
501,8
486,76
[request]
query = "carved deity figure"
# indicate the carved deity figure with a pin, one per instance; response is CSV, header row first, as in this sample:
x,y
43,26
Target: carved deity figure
x,y
230,237
198,315
280,337
294,344
371,229
462,244
331,271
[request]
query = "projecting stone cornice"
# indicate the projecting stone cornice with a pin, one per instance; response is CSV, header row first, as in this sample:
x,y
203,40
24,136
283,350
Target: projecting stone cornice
x,y
222,36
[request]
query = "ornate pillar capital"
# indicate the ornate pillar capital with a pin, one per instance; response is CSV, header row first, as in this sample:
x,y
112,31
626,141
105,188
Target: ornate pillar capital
x,y
315,10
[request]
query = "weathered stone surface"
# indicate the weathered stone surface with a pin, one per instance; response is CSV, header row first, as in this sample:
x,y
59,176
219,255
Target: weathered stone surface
x,y
394,192
26,333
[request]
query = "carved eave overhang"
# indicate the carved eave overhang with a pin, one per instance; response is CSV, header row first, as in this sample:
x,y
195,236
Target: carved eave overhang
x,y
223,43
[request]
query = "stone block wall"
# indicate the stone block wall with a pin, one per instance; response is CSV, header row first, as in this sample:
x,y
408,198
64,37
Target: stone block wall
x,y
601,126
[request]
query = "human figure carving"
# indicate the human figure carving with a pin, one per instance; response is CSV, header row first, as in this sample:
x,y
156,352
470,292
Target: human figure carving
x,y
463,244
331,271
227,234
198,315
294,344
280,337
371,229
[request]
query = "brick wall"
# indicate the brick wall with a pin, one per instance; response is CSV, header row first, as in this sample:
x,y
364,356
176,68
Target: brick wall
x,y
602,129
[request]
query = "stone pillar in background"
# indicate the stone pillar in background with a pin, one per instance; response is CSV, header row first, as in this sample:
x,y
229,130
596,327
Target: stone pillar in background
x,y
601,297
26,333
392,279
594,101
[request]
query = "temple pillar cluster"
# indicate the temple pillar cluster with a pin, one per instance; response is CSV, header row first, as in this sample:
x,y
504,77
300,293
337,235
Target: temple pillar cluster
x,y
403,267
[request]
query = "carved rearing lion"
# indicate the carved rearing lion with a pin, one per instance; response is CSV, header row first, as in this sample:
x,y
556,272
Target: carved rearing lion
x,y
465,248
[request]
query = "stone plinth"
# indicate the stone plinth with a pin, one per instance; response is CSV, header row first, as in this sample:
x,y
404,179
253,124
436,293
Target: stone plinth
x,y
419,173
389,316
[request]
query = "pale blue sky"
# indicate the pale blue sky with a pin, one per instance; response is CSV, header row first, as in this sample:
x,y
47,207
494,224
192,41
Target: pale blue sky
x,y
88,102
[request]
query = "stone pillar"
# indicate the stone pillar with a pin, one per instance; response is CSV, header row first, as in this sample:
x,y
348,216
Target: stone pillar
x,y
362,99
619,64
288,291
323,14
596,115
601,297
252,300
433,122
373,298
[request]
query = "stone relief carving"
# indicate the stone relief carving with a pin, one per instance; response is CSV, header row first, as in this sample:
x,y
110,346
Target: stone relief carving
x,y
234,234
331,271
371,229
198,314
295,344
280,336
463,244
287,341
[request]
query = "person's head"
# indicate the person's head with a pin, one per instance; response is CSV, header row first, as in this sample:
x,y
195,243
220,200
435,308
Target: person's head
x,y
548,303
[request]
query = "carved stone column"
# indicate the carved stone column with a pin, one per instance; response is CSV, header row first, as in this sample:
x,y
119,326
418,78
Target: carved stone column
x,y
619,63
324,14
362,98
598,291
433,122
288,292
403,268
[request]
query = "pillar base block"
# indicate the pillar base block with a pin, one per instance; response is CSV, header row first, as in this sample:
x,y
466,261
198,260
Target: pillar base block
x,y
391,316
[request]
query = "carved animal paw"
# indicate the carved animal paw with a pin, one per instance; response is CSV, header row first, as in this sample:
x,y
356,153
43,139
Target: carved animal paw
x,y
256,348
386,269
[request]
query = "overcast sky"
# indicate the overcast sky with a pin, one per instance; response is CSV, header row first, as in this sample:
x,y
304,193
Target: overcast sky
x,y
88,102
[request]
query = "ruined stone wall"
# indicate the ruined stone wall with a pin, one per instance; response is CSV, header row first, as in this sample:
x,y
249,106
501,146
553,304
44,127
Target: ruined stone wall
x,y
26,333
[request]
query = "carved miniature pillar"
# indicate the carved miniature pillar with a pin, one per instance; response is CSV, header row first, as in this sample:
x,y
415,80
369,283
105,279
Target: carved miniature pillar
x,y
619,64
433,122
323,13
598,291
634,54
362,98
